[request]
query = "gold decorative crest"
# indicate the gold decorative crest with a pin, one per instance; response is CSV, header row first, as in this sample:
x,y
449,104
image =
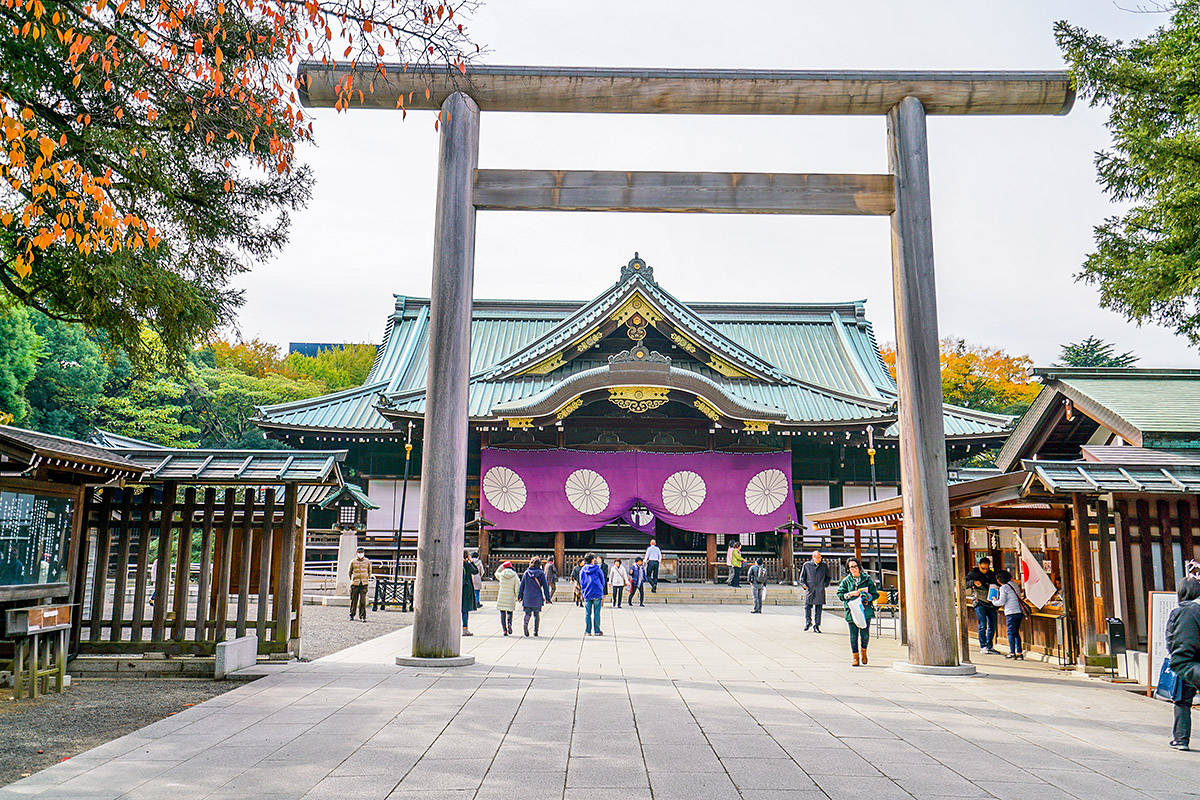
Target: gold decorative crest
x,y
637,399
757,425
520,422
545,367
707,410
725,368
683,342
588,341
569,409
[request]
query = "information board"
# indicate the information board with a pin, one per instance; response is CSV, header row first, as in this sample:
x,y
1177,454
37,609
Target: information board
x,y
1161,604
34,531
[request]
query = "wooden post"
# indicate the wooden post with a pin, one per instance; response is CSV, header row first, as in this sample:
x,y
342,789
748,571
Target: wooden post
x,y
243,603
287,557
710,555
788,552
1085,600
484,545
560,551
1125,574
265,545
100,570
183,565
437,624
298,577
141,577
206,558
858,546
929,579
223,568
1066,544
1107,577
117,631
1167,545
162,565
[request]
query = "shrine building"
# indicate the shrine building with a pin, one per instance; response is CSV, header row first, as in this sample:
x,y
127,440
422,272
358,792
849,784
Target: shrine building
x,y
595,424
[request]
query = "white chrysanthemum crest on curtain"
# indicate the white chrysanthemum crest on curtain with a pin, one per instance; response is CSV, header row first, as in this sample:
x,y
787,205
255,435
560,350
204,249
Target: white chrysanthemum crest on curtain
x,y
504,489
587,491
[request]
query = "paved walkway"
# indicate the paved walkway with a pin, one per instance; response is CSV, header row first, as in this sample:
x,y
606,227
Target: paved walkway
x,y
674,703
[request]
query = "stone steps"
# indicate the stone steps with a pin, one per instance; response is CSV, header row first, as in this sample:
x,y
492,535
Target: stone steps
x,y
689,594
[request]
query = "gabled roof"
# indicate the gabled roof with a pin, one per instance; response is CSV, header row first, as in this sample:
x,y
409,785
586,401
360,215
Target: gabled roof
x,y
110,440
1144,407
1059,477
350,491
242,467
22,450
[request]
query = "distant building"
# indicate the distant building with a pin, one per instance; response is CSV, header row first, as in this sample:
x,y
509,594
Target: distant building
x,y
312,348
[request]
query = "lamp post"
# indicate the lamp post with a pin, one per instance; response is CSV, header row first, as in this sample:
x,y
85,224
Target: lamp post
x,y
875,496
403,495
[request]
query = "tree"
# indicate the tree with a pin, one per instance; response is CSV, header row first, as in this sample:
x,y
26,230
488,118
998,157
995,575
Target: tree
x,y
1146,261
18,362
337,367
1094,352
151,408
71,373
147,150
980,377
222,401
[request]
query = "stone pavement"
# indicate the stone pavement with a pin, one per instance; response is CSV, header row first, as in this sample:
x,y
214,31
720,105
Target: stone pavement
x,y
673,703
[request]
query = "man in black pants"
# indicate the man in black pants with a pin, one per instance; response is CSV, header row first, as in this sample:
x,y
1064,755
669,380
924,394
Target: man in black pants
x,y
814,577
653,557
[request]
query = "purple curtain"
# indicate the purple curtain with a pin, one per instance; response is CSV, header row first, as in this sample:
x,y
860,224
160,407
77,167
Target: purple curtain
x,y
579,490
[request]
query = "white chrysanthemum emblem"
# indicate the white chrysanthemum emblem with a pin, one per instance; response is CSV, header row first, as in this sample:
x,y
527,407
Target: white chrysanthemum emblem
x,y
683,492
642,517
504,489
766,491
587,491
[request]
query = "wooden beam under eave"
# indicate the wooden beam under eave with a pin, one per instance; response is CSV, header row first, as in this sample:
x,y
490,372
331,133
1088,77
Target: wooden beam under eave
x,y
689,91
697,192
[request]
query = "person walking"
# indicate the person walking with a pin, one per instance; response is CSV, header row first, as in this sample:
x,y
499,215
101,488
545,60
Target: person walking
x,y
477,578
858,584
619,578
575,580
360,576
468,591
980,581
757,575
551,577
591,581
1183,646
637,582
604,569
1014,612
736,560
535,592
814,577
506,595
653,559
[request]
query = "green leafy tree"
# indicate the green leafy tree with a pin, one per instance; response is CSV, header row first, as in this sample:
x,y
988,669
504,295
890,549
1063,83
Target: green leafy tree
x,y
337,367
1146,261
222,401
19,348
1094,352
71,373
150,408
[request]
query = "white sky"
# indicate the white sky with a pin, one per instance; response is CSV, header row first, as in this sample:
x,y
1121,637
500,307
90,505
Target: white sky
x,y
1014,199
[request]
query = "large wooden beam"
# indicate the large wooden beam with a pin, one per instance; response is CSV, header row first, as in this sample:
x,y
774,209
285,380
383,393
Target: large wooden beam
x,y
715,192
437,625
929,579
688,91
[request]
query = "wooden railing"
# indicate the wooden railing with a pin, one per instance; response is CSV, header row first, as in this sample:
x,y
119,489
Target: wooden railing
x,y
246,540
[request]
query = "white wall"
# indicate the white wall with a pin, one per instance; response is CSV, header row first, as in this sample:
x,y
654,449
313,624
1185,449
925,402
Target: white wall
x,y
387,495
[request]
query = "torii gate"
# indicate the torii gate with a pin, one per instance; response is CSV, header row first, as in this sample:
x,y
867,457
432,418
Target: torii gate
x,y
903,194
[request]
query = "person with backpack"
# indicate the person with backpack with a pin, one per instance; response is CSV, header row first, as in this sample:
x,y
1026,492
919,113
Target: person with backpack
x,y
1183,645
1014,612
592,583
858,585
757,575
534,592
506,595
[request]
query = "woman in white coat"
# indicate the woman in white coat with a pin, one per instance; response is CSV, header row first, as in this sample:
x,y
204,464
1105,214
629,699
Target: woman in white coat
x,y
618,576
506,595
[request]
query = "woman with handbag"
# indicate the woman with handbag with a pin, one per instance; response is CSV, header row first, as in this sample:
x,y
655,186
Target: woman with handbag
x,y
1183,645
858,593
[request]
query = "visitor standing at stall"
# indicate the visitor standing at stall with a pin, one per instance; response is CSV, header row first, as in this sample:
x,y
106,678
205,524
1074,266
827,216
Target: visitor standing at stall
x,y
360,576
591,582
534,591
468,591
653,559
980,581
814,577
506,595
858,593
1183,645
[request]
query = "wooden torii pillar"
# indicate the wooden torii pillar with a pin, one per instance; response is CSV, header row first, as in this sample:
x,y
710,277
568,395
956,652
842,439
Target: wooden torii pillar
x,y
904,97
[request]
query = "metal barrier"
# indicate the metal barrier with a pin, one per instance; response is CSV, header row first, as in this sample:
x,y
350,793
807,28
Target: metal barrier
x,y
393,592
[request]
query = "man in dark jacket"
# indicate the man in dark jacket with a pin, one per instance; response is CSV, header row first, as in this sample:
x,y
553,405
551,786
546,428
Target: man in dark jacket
x,y
637,582
575,580
757,575
814,577
534,593
1183,643
593,584
980,580
551,577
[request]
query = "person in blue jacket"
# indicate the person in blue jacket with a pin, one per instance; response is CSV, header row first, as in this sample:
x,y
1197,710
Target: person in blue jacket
x,y
637,582
591,581
534,592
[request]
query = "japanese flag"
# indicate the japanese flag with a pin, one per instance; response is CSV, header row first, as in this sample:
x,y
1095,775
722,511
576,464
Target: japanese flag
x,y
1037,584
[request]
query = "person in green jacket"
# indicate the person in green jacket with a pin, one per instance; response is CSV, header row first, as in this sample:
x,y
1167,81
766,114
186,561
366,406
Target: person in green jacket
x,y
736,560
858,584
468,590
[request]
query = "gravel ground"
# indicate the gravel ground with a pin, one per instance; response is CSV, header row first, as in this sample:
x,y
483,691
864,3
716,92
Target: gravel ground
x,y
97,710
36,735
327,629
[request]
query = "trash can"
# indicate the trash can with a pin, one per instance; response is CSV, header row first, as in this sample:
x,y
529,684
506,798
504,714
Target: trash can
x,y
1116,636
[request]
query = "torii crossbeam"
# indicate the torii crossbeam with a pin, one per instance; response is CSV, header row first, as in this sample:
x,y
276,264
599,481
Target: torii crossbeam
x,y
903,194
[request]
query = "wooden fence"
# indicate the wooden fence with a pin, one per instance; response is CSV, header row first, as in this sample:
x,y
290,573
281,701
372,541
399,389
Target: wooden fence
x,y
133,582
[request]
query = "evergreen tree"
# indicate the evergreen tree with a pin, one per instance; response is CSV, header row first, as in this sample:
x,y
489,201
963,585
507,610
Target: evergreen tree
x,y
1094,352
71,373
18,363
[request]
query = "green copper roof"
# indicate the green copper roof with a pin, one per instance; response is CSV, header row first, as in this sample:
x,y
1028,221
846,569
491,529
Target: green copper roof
x,y
814,363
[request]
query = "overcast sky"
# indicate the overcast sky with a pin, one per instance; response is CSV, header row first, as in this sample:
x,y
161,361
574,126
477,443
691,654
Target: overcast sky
x,y
1014,199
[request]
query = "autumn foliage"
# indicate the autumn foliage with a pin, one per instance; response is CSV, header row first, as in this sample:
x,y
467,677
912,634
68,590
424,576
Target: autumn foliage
x,y
123,122
980,377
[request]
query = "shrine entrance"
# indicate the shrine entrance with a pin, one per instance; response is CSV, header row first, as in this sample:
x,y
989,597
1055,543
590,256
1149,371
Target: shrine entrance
x,y
905,98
